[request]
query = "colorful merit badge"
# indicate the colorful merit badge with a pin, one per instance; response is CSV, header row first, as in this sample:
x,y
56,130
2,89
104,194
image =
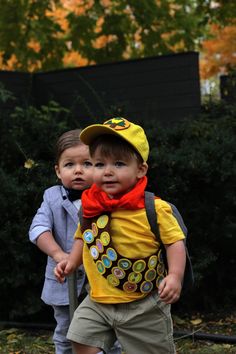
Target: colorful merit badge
x,y
88,236
102,221
105,238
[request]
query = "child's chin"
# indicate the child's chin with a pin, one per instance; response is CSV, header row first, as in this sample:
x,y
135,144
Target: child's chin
x,y
114,194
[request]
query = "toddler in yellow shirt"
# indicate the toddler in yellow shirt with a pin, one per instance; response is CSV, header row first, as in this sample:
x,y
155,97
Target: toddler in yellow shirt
x,y
130,289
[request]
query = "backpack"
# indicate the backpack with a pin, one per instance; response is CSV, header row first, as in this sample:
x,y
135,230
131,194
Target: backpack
x,y
152,219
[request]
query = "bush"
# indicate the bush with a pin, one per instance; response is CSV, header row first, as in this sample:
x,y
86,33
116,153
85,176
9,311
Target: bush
x,y
192,164
27,138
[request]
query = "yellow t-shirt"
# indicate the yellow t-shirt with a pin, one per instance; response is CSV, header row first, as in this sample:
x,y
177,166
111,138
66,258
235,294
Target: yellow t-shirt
x,y
132,238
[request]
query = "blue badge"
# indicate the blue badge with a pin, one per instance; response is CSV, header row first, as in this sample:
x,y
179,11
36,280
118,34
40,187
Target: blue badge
x,y
146,287
111,253
106,261
124,263
88,236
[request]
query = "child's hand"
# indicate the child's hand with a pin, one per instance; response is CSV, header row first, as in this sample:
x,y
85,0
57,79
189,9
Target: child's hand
x,y
60,256
170,288
62,269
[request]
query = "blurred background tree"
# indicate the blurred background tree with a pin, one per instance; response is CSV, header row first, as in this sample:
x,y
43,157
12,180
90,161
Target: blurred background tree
x,y
54,34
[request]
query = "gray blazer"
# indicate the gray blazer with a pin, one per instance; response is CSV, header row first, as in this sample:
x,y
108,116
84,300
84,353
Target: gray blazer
x,y
60,216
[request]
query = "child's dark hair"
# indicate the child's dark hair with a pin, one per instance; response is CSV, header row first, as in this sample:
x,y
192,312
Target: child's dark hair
x,y
113,146
66,141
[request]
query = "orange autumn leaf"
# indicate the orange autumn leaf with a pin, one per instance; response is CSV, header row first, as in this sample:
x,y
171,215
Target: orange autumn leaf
x,y
74,59
219,52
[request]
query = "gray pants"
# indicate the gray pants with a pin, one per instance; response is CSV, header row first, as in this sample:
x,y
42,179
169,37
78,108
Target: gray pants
x,y
62,317
62,344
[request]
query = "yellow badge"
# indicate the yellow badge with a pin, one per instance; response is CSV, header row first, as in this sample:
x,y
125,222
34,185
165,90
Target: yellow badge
x,y
152,262
105,238
102,221
139,265
135,277
112,280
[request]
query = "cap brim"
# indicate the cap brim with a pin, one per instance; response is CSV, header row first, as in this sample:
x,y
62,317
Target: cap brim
x,y
93,131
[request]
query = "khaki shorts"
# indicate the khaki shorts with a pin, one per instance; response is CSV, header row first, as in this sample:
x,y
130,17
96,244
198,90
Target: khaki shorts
x,y
141,327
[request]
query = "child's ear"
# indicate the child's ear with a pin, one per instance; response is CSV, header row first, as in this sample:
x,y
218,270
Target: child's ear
x,y
57,171
142,170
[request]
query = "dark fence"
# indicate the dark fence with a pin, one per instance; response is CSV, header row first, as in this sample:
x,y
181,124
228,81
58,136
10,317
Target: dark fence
x,y
228,88
164,88
19,84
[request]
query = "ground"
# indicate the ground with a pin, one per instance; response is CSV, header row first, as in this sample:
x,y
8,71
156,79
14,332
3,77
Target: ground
x,y
18,341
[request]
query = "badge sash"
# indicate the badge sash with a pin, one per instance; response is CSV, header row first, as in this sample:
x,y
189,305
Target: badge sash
x,y
128,274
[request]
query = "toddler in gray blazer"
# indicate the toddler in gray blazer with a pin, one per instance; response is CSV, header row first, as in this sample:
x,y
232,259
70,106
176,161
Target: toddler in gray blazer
x,y
54,225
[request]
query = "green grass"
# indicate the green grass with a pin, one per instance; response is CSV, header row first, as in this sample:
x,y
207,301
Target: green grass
x,y
18,341
15,341
203,347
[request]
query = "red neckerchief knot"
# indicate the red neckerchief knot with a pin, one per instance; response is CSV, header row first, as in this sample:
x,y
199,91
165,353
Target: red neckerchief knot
x,y
96,202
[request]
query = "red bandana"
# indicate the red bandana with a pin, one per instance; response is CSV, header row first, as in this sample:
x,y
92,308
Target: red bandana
x,y
95,201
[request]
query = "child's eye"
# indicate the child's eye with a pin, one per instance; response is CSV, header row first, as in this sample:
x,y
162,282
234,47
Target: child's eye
x,y
68,164
119,163
88,164
99,165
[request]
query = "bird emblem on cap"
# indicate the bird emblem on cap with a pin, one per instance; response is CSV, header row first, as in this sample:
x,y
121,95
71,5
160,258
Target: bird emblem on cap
x,y
117,123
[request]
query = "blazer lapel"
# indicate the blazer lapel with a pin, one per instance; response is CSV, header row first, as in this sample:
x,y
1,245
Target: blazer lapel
x,y
69,207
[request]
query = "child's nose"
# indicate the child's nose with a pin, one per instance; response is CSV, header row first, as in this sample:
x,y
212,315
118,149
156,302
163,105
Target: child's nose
x,y
78,168
108,170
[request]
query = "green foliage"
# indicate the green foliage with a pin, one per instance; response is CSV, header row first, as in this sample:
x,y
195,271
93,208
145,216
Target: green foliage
x,y
192,164
24,22
138,29
26,169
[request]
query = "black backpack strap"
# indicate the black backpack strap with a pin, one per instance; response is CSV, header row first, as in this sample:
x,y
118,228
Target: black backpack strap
x,y
179,218
151,214
152,219
80,215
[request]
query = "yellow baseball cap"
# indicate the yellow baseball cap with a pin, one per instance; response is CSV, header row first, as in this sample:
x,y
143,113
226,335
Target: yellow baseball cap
x,y
132,133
